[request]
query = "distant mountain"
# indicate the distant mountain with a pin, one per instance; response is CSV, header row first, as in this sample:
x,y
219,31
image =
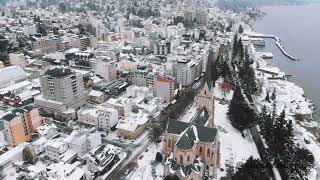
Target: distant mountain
x,y
238,5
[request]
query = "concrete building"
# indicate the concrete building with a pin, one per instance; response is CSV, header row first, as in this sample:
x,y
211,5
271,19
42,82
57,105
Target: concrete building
x,y
29,30
183,71
74,41
122,105
46,44
84,43
143,76
162,48
17,59
20,124
63,93
11,74
132,126
54,148
164,87
102,158
100,117
106,69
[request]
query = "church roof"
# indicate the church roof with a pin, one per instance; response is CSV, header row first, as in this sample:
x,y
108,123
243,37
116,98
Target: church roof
x,y
184,170
201,118
191,134
209,71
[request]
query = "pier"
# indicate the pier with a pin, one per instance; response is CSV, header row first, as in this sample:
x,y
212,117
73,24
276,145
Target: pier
x,y
278,43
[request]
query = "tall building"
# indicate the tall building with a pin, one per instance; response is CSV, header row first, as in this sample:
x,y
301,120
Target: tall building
x,y
183,72
164,87
143,76
20,124
84,43
162,48
106,69
62,93
47,44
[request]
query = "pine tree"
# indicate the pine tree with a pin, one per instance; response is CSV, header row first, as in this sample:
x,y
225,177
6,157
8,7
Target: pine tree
x,y
240,29
235,47
27,155
240,114
252,169
267,98
299,164
273,95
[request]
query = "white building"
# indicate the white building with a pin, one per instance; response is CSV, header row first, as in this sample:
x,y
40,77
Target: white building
x,y
9,75
122,105
78,142
11,156
102,158
101,117
54,148
164,87
106,69
183,72
17,59
29,30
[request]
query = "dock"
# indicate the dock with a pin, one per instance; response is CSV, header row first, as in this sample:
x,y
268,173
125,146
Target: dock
x,y
278,43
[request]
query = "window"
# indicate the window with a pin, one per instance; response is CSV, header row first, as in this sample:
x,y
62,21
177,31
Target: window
x,y
200,150
208,152
188,158
181,159
207,167
169,143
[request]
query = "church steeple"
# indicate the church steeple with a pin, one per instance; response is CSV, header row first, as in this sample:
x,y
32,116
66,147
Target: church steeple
x,y
205,99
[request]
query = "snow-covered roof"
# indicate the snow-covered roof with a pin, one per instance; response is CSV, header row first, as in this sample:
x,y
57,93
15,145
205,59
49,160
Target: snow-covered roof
x,y
9,155
132,122
11,74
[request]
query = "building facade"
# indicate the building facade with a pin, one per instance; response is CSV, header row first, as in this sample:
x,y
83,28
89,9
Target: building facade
x,y
164,87
62,93
21,123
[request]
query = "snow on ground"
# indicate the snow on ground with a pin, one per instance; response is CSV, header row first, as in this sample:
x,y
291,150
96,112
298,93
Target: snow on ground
x,y
291,97
219,94
233,147
147,168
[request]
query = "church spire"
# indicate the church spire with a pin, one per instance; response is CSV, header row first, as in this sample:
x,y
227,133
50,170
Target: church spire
x,y
210,72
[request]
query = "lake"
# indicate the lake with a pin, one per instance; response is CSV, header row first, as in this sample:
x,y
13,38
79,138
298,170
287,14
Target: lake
x,y
298,28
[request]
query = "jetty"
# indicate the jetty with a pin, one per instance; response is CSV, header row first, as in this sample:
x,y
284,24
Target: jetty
x,y
278,43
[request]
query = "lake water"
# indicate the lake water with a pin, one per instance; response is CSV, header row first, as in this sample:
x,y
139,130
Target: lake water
x,y
299,30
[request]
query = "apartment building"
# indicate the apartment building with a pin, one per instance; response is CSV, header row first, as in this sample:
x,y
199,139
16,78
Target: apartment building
x,y
47,44
62,93
164,87
20,124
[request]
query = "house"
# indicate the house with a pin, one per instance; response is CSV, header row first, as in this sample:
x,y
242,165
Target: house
x,y
65,171
102,158
81,142
54,148
132,126
122,104
97,96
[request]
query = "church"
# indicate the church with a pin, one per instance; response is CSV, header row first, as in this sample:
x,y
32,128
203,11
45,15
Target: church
x,y
191,150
